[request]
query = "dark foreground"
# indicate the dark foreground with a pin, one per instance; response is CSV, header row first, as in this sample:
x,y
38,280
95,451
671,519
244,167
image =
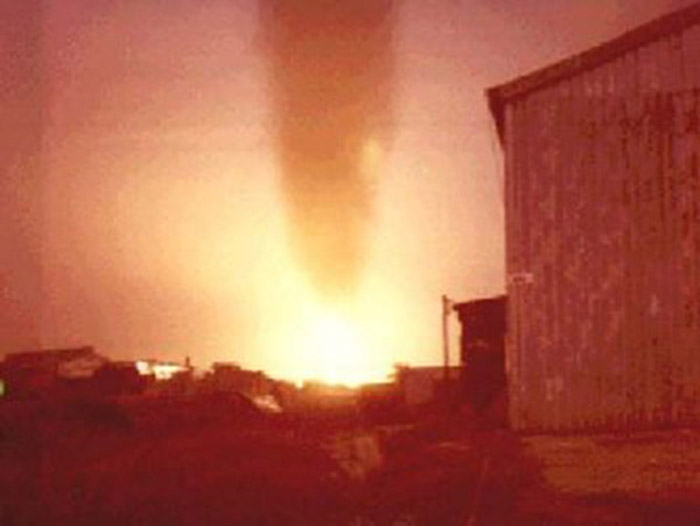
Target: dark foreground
x,y
215,462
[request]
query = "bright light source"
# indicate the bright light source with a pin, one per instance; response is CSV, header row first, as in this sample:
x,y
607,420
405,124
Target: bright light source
x,y
161,371
338,353
143,367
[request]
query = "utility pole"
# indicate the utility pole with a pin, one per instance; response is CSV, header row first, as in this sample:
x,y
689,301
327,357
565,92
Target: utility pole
x,y
446,305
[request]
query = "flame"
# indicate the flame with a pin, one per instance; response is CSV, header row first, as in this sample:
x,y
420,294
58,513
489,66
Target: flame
x,y
335,346
303,335
338,351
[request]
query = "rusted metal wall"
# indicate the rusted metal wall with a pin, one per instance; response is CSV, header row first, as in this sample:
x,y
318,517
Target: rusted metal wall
x,y
603,242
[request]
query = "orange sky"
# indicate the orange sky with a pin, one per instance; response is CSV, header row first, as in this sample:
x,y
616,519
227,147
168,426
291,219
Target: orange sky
x,y
165,225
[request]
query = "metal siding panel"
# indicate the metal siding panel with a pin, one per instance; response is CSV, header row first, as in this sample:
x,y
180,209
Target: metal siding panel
x,y
600,253
611,234
538,290
514,220
588,276
682,194
691,57
538,226
589,392
573,256
562,216
657,365
692,138
647,248
687,226
629,75
668,287
636,258
512,333
521,138
607,335
689,130
531,363
548,175
559,152
617,289
674,331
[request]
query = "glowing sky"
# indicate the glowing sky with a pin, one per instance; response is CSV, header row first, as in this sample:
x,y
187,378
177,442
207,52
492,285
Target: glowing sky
x,y
166,215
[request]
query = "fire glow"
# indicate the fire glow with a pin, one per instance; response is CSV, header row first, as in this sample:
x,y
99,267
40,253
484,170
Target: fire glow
x,y
341,354
161,371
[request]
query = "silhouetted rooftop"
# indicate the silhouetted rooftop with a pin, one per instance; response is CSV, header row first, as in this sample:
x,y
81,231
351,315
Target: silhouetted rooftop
x,y
674,22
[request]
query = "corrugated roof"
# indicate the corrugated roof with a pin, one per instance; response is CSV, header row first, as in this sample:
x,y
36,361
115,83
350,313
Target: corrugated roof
x,y
674,22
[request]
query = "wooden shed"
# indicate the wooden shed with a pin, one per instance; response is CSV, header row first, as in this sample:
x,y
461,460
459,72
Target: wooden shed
x,y
602,184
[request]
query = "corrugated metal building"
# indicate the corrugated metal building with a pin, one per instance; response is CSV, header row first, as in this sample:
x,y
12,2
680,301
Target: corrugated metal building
x,y
602,176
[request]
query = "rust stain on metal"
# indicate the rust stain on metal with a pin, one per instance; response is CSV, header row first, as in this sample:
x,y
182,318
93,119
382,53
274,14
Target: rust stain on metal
x,y
603,212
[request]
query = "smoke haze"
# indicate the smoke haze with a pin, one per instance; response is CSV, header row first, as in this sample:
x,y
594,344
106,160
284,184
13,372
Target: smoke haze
x,y
176,177
330,69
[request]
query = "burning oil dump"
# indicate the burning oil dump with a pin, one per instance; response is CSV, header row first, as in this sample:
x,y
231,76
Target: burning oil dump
x,y
330,68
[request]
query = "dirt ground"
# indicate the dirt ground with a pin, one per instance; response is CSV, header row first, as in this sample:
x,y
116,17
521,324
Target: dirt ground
x,y
648,477
89,464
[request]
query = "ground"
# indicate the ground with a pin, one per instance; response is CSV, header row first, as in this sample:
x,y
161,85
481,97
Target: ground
x,y
650,477
218,462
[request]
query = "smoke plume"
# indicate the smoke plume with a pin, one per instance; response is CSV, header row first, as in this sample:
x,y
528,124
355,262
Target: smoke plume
x,y
330,69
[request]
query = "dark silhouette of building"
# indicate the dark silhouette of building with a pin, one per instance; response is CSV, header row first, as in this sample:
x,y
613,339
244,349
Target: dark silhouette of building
x,y
602,233
482,349
233,378
424,385
47,373
120,378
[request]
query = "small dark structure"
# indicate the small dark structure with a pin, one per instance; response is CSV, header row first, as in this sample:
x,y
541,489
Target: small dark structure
x,y
381,402
120,378
482,345
423,386
231,377
47,373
